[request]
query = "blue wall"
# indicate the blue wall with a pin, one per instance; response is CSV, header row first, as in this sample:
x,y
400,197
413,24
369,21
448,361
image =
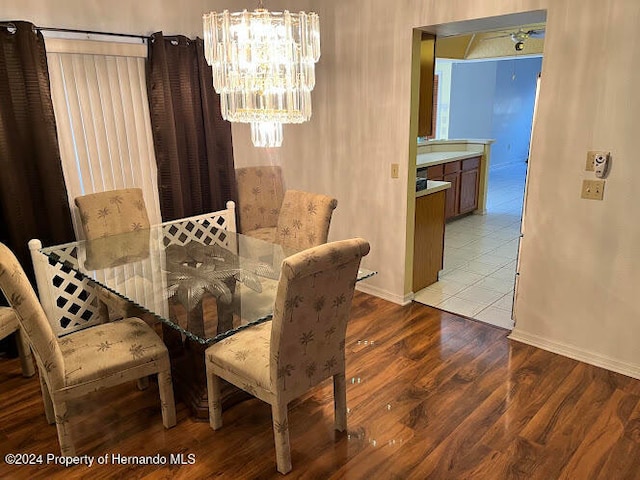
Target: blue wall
x,y
513,109
494,99
473,87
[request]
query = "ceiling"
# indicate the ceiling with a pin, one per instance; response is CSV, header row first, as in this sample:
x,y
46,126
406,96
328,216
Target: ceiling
x,y
469,39
489,44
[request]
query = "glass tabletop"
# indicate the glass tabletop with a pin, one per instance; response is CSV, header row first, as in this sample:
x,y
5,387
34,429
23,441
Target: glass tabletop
x,y
207,283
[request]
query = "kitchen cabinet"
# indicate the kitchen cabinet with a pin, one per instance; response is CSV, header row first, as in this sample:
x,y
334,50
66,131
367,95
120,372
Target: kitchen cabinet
x,y
453,195
428,246
464,176
468,191
427,54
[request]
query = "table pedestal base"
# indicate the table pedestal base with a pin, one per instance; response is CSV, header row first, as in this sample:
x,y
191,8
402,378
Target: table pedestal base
x,y
188,365
190,382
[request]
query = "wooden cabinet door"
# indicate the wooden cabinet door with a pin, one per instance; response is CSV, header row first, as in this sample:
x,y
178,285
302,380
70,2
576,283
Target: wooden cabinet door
x,y
428,240
427,52
468,191
435,172
452,195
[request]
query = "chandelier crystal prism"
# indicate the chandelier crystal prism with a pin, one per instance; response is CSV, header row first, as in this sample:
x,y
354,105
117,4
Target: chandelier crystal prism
x,y
263,66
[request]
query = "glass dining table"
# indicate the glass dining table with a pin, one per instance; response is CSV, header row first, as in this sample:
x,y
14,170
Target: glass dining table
x,y
199,283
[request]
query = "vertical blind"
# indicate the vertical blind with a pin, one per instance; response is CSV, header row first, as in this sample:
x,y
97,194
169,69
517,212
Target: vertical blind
x,y
102,113
100,102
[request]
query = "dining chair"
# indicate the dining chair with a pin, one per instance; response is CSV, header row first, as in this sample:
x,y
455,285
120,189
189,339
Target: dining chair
x,y
303,223
304,220
112,212
9,324
260,194
87,360
108,213
304,343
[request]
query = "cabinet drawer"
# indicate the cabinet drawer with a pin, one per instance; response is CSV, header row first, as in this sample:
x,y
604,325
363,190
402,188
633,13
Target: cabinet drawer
x,y
452,167
470,163
435,172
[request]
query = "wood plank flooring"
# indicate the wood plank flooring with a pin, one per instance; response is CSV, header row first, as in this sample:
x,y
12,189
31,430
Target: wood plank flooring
x,y
430,395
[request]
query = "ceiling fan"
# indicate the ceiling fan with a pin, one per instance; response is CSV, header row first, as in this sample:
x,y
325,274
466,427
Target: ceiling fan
x,y
519,36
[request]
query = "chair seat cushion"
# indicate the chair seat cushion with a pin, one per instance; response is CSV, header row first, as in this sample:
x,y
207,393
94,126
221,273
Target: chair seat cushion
x,y
8,321
268,234
103,350
245,354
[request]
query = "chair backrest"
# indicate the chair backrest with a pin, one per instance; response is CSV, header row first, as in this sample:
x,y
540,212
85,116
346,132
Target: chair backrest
x,y
260,194
33,321
208,228
304,219
112,212
311,312
69,300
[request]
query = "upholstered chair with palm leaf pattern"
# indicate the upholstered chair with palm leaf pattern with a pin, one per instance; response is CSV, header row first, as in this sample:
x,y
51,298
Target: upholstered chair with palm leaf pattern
x,y
304,220
304,343
87,360
9,324
114,212
260,194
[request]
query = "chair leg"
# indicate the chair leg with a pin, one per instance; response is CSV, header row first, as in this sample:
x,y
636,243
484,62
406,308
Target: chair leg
x,y
340,401
46,399
215,404
167,401
62,425
281,435
24,351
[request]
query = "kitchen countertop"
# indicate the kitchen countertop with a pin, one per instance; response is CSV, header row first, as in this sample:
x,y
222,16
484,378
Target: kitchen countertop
x,y
429,159
461,141
433,186
438,152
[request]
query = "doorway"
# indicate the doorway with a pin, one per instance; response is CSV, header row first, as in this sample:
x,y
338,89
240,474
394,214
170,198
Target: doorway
x,y
480,251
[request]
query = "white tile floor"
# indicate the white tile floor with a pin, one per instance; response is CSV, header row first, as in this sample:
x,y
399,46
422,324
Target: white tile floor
x,y
480,254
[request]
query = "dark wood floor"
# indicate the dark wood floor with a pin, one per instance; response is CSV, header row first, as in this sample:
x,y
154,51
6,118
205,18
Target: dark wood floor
x,y
431,395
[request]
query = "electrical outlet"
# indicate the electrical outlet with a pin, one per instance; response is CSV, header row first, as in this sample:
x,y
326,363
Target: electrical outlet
x,y
591,156
592,189
395,170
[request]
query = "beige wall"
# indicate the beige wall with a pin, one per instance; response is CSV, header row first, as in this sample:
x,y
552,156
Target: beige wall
x,y
580,260
580,264
122,16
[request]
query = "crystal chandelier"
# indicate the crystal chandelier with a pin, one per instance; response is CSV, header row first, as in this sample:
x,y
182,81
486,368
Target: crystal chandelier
x,y
263,68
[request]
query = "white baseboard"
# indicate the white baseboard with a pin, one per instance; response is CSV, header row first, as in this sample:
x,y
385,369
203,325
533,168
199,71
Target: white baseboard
x,y
385,295
576,353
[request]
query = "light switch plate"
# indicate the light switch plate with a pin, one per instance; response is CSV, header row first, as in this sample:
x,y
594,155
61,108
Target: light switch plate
x,y
395,170
593,189
589,166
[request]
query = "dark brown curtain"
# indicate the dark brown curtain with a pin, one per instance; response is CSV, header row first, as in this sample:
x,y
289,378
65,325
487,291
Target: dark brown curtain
x,y
33,197
192,142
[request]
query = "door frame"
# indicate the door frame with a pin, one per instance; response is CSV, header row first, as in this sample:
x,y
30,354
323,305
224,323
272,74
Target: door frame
x,y
448,29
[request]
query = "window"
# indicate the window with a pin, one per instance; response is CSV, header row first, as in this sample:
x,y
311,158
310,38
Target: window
x,y
102,113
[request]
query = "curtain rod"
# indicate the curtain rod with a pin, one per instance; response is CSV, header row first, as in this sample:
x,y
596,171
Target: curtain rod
x,y
92,32
85,32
